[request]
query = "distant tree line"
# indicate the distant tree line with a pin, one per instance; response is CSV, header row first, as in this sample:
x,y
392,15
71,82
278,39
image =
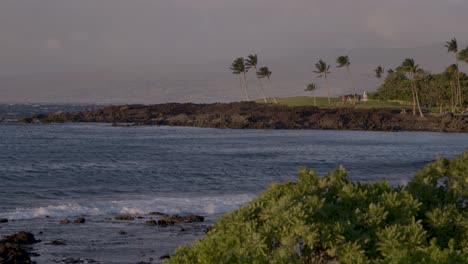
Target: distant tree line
x,y
447,90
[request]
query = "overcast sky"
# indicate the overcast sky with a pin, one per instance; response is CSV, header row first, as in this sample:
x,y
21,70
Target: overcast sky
x,y
161,36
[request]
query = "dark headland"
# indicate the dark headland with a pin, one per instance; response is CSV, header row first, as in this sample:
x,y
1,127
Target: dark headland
x,y
248,115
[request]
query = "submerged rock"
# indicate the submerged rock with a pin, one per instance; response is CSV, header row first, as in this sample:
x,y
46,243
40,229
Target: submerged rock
x,y
64,221
56,243
124,218
174,219
11,254
3,220
158,214
165,222
20,238
79,220
193,218
151,223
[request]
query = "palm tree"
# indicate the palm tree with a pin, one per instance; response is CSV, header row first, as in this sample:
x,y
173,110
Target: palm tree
x,y
264,72
463,55
310,88
451,71
411,69
452,47
379,72
238,68
323,69
252,62
343,61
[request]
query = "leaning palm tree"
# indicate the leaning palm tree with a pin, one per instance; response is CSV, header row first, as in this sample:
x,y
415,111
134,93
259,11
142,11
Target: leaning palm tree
x,y
343,61
379,72
323,69
411,69
238,68
451,72
252,62
310,88
264,72
452,47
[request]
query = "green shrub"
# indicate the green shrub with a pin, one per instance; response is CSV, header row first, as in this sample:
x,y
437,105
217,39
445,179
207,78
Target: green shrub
x,y
332,220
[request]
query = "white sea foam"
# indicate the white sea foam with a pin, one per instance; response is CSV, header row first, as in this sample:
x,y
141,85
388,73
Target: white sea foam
x,y
208,205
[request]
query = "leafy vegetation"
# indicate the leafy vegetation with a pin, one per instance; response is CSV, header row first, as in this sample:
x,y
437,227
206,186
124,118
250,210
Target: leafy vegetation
x,y
330,219
434,89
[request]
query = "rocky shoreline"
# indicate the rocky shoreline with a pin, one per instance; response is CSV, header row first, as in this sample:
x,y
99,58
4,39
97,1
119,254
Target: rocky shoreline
x,y
247,115
24,247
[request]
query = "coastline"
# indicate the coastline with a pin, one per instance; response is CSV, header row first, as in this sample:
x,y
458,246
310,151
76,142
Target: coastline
x,y
248,115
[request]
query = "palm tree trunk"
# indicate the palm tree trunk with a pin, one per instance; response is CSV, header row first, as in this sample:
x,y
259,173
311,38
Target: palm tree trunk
x,y
271,88
459,87
452,96
246,88
241,86
315,101
328,89
413,95
263,91
261,87
417,99
350,76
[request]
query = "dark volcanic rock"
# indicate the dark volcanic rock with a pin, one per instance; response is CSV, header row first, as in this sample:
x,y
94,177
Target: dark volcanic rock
x,y
20,238
158,214
249,115
174,219
151,223
124,218
64,221
165,222
12,254
3,220
79,220
193,218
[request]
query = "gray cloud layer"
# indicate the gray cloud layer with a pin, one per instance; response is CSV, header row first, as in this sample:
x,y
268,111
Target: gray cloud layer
x,y
163,36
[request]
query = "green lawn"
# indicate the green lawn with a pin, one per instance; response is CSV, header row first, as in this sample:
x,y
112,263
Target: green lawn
x,y
301,101
323,101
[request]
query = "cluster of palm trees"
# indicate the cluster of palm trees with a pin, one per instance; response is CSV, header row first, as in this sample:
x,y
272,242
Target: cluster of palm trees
x,y
409,68
241,66
323,71
413,72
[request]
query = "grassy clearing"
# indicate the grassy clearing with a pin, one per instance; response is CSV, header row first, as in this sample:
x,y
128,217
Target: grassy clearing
x,y
335,101
302,101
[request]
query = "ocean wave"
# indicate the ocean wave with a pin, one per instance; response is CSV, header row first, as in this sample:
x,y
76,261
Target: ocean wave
x,y
209,205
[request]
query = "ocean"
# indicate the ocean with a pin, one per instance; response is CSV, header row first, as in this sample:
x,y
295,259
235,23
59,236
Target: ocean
x,y
49,172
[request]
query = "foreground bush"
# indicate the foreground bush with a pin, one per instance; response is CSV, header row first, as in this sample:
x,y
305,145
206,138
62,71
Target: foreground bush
x,y
332,220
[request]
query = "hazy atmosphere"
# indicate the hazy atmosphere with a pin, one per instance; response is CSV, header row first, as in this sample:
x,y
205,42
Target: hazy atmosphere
x,y
151,51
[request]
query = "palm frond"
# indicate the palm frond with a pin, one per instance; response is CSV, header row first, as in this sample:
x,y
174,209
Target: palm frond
x,y
452,45
343,61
